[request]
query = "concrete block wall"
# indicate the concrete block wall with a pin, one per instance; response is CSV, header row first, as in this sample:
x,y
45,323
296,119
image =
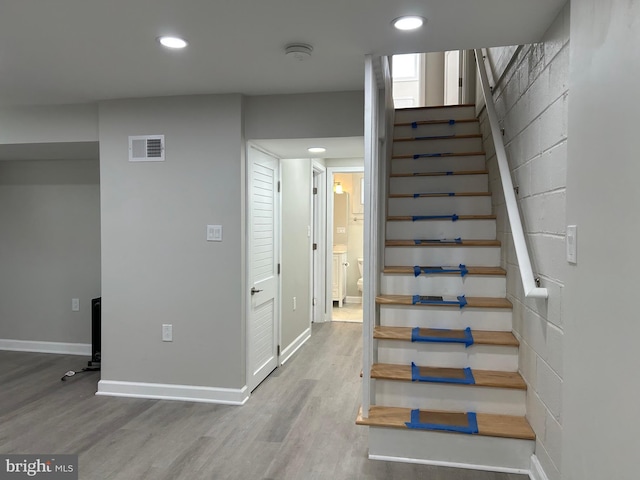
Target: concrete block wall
x,y
531,98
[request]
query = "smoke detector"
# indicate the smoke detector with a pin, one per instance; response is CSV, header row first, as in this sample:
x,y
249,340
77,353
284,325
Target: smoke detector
x,y
298,51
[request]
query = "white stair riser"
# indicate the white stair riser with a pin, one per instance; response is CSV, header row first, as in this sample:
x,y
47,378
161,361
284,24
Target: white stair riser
x,y
476,229
434,129
445,113
438,164
419,255
439,206
445,145
458,450
446,317
440,184
470,285
450,398
449,355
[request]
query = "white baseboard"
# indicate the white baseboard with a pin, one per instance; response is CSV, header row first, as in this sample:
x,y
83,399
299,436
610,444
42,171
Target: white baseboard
x,y
537,472
287,353
467,466
353,299
83,349
185,393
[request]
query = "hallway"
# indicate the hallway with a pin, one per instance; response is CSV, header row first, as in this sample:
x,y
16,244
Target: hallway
x,y
299,424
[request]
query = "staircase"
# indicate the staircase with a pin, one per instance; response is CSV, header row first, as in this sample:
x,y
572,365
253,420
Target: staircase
x,y
445,386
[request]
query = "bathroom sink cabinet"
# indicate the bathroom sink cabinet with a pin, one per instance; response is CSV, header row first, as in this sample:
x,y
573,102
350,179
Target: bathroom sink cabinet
x,y
339,281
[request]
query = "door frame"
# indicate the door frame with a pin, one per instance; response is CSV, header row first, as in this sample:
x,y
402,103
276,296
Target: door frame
x,y
247,273
319,236
329,250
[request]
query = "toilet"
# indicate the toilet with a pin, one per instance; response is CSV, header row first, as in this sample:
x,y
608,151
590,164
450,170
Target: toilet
x,y
360,281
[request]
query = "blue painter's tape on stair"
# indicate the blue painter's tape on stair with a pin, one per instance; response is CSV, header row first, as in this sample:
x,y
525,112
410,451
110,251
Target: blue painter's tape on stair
x,y
462,270
471,428
426,300
436,137
467,340
463,301
452,122
467,380
453,217
451,194
414,124
438,240
430,155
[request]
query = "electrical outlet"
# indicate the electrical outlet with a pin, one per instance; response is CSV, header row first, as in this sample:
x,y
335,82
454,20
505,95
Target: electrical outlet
x,y
295,303
214,233
75,304
167,332
572,243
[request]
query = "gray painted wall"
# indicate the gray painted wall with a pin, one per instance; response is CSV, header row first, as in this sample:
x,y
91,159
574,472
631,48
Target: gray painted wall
x,y
531,102
601,382
296,248
49,249
313,115
157,266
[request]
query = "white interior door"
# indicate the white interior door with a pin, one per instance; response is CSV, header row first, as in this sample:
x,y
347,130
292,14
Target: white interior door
x,y
263,230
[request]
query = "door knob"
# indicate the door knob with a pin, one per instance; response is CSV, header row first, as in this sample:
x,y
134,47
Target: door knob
x,y
254,290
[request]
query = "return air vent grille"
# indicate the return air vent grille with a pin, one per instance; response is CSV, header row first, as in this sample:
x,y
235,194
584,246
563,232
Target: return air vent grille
x,y
146,148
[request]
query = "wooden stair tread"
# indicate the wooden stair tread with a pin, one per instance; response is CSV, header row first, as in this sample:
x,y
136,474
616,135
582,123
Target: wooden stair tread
x,y
463,243
405,218
480,337
455,194
435,122
441,155
406,270
440,174
489,425
437,137
472,302
483,378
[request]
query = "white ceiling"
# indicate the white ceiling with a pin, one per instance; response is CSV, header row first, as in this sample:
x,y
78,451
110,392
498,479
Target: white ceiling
x,y
73,51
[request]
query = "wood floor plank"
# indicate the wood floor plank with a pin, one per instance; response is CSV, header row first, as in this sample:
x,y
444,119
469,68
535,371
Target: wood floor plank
x,y
441,174
316,394
435,122
434,195
437,137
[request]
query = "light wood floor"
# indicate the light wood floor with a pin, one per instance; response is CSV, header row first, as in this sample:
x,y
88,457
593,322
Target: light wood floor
x,y
299,424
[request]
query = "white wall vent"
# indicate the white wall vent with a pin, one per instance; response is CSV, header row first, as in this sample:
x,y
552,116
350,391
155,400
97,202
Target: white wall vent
x,y
146,148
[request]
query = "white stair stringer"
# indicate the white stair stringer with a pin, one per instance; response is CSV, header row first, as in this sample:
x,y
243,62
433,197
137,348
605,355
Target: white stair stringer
x,y
453,284
438,164
450,398
451,450
445,317
478,229
439,183
479,357
461,205
443,255
420,114
437,129
438,145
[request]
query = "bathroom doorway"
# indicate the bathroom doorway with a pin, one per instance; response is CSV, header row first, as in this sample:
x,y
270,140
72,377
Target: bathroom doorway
x,y
347,242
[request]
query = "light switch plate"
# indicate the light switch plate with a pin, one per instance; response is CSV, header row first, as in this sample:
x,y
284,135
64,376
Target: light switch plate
x,y
572,243
214,233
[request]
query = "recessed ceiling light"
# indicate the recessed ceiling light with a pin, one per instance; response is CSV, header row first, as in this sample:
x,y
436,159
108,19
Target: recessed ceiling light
x,y
173,42
408,23
317,149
